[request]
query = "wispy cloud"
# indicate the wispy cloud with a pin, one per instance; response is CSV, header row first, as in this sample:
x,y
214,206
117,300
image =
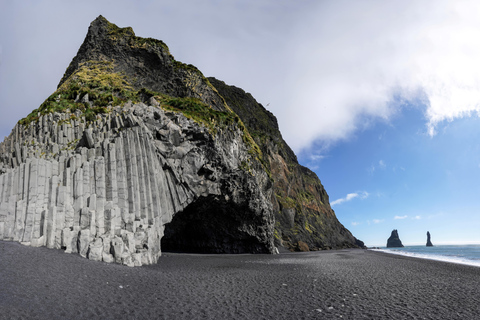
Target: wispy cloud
x,y
417,218
382,164
400,217
396,168
349,197
376,221
354,223
317,157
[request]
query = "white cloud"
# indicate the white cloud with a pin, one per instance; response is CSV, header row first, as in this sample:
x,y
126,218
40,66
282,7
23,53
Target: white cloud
x,y
417,218
382,164
349,197
317,157
350,67
378,221
354,223
400,217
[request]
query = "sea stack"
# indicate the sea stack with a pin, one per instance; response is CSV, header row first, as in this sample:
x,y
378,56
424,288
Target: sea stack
x,y
429,243
394,240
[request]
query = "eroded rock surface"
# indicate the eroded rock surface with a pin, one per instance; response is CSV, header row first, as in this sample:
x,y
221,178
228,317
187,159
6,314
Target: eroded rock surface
x,y
106,190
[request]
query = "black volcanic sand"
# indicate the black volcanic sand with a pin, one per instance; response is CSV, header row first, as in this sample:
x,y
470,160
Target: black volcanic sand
x,y
41,283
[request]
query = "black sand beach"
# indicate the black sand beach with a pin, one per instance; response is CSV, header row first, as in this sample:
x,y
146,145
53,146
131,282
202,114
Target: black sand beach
x,y
41,283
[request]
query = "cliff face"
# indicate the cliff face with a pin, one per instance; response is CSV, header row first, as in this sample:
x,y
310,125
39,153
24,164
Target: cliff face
x,y
300,203
136,152
106,188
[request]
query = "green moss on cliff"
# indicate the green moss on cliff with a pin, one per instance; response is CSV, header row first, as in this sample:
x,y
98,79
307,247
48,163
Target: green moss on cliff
x,y
117,33
199,112
90,89
94,86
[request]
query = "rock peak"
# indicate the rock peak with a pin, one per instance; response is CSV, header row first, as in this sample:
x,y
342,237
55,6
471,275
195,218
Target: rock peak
x,y
99,19
146,63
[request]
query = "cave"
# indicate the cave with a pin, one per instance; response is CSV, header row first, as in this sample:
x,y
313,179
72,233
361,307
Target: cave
x,y
214,225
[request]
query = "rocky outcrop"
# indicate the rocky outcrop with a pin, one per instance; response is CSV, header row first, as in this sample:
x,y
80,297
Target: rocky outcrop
x,y
106,189
429,242
303,216
145,62
136,153
394,240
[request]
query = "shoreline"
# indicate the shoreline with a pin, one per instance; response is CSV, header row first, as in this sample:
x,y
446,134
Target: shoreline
x,y
41,283
429,256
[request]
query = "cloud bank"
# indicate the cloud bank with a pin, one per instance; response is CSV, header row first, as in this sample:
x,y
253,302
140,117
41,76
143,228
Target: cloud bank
x,y
326,68
360,61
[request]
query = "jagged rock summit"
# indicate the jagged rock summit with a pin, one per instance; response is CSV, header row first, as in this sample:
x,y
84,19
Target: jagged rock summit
x,y
136,152
429,242
394,240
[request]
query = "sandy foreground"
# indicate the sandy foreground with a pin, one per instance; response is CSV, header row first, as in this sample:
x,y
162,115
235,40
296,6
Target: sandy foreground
x,y
41,283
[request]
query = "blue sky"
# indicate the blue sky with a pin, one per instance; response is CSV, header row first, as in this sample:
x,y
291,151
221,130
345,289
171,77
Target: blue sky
x,y
395,176
379,98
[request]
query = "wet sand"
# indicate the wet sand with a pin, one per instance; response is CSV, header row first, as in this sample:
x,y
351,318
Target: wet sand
x,y
41,283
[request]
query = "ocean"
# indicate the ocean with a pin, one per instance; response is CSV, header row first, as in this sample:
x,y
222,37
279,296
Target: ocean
x,y
462,254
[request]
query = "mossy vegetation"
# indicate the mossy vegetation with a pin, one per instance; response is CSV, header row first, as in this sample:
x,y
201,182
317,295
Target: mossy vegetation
x,y
91,89
117,33
199,112
287,202
94,87
189,67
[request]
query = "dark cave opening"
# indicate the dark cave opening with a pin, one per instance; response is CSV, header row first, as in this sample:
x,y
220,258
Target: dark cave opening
x,y
212,225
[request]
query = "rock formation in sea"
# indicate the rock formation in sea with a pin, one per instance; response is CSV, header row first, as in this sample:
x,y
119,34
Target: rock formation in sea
x,y
394,240
136,152
429,242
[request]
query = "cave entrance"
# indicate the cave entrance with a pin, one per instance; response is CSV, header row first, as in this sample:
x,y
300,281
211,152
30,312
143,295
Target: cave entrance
x,y
211,225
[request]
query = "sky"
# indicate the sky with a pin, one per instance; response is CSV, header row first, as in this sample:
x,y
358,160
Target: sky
x,y
380,98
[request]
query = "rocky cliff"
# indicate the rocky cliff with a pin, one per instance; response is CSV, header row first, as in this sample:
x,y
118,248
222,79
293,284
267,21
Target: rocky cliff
x,y
136,152
303,216
394,240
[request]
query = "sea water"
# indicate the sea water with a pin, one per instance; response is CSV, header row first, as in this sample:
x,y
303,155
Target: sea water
x,y
463,254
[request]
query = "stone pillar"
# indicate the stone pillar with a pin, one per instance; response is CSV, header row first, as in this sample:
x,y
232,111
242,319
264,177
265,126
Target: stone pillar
x,y
100,195
141,174
132,180
122,192
78,203
60,216
20,220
